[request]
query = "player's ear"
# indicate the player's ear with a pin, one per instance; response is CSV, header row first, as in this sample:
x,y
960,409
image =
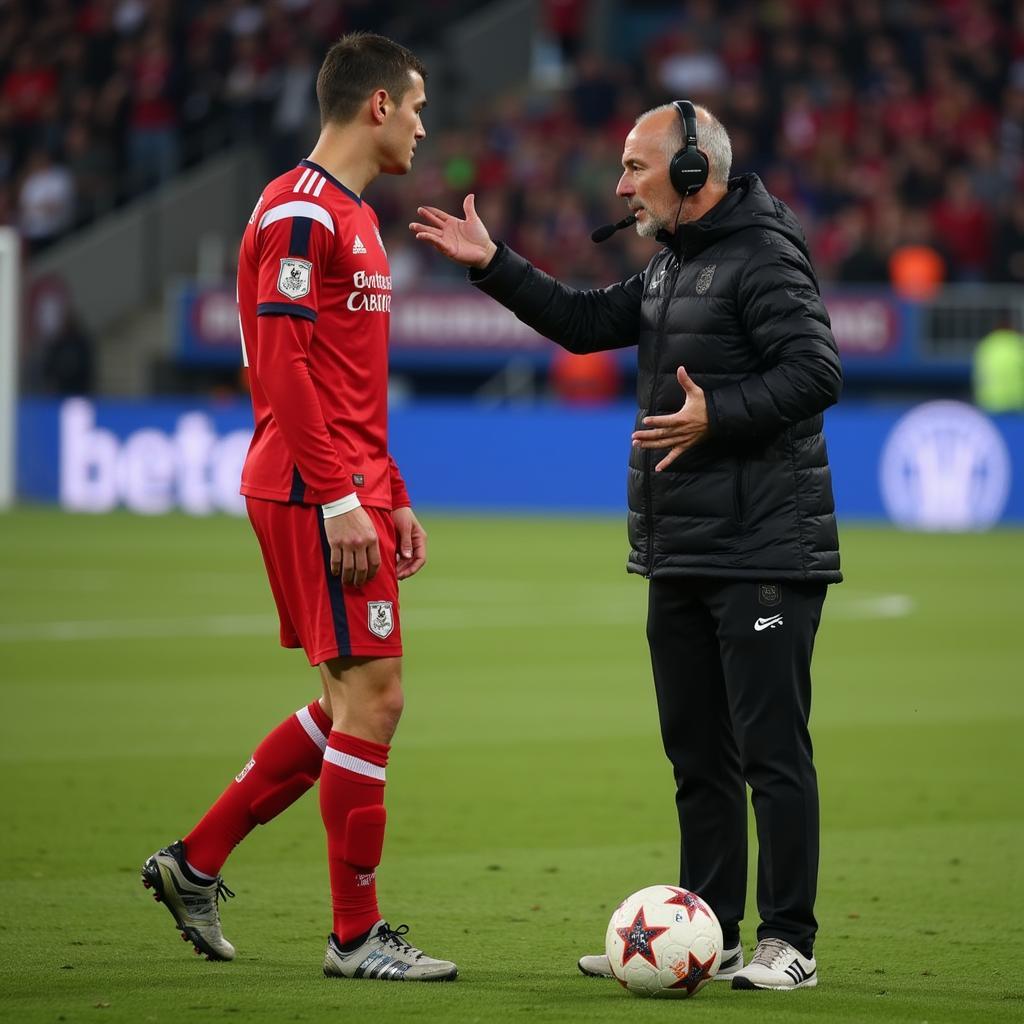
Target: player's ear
x,y
379,105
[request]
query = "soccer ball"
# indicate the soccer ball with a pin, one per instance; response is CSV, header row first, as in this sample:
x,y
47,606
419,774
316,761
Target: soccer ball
x,y
664,941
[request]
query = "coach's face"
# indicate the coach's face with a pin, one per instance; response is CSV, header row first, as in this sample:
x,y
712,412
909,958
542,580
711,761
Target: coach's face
x,y
403,128
645,183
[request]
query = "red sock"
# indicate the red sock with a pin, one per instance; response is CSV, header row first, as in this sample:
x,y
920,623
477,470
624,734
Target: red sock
x,y
352,806
284,766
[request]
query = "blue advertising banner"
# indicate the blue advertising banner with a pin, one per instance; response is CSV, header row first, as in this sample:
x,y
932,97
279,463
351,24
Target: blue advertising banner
x,y
936,466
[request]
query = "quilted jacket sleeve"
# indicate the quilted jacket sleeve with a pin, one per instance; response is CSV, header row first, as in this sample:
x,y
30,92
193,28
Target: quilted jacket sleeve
x,y
580,321
784,318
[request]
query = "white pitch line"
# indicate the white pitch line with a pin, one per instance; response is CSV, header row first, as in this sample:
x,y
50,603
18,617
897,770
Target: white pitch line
x,y
563,616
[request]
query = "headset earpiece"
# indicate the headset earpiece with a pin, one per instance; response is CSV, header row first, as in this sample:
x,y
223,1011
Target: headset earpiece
x,y
688,168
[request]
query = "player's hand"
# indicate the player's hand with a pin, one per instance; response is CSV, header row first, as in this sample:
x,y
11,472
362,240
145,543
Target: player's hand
x,y
679,430
464,241
412,543
355,550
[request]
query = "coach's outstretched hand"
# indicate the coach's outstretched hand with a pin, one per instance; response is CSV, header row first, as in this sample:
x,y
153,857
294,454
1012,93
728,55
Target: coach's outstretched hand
x,y
464,241
411,541
355,551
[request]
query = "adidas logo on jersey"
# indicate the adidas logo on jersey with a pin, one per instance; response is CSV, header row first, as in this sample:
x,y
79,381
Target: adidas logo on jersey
x,y
358,249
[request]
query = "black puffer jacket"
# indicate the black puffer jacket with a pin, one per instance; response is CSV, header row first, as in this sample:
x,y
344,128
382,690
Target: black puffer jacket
x,y
733,298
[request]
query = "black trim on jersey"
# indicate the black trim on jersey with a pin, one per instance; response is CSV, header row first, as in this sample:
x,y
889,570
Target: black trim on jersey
x,y
299,244
331,178
298,492
285,309
334,592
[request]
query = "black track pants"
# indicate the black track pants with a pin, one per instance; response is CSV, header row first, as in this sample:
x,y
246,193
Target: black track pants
x,y
732,671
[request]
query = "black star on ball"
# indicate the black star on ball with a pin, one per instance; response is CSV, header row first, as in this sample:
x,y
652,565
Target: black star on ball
x,y
691,974
686,899
638,938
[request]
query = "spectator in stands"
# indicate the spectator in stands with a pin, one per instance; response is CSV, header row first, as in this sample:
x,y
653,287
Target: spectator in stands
x,y
153,139
963,224
862,260
90,163
917,267
293,107
68,363
1008,250
46,200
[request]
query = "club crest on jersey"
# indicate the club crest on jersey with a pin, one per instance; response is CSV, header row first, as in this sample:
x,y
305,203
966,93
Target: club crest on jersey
x,y
380,617
293,280
705,278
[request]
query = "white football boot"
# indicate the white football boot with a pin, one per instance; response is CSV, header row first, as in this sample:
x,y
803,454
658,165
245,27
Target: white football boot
x,y
777,965
385,956
597,965
192,905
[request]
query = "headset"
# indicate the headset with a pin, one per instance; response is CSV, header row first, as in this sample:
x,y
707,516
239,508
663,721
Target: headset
x,y
688,168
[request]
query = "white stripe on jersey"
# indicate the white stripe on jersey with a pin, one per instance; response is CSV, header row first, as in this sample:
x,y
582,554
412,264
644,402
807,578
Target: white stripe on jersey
x,y
299,183
313,178
297,208
320,187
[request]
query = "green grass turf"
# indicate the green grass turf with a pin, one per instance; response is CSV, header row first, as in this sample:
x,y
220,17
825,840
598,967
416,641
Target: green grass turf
x,y
527,791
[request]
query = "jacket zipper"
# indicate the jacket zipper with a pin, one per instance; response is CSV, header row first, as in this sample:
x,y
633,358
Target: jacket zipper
x,y
650,453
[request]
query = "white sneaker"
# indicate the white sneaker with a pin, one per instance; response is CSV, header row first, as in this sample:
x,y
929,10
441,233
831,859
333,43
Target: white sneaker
x,y
385,956
193,906
777,965
597,965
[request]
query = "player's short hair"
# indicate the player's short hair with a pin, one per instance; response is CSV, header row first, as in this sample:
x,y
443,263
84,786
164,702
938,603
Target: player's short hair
x,y
358,64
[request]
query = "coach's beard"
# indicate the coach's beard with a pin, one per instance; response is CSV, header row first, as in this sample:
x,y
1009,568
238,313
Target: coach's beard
x,y
650,225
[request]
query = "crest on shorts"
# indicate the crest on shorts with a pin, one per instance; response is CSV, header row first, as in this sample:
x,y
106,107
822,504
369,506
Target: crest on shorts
x,y
705,277
293,280
380,618
769,594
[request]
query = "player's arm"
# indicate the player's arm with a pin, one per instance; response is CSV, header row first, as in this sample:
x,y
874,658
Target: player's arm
x,y
581,321
295,252
411,538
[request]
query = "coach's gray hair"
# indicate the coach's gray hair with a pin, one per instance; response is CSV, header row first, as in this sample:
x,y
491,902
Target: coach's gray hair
x,y
712,139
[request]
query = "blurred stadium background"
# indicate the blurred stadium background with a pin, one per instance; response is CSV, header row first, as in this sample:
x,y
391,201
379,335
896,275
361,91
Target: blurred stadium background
x,y
137,133
135,136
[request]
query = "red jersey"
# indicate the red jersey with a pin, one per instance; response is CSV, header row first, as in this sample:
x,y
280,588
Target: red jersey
x,y
314,298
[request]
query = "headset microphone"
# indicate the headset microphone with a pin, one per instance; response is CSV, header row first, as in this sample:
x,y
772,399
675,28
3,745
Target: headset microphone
x,y
603,233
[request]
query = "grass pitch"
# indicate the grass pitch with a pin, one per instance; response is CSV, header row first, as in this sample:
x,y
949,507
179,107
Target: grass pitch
x,y
527,790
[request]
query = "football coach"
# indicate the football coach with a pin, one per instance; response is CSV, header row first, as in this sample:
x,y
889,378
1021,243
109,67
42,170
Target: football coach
x,y
731,515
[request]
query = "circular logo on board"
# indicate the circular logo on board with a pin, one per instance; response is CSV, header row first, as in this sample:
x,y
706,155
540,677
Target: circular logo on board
x,y
945,466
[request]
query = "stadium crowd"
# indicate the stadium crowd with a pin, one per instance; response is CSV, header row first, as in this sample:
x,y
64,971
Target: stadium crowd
x,y
896,131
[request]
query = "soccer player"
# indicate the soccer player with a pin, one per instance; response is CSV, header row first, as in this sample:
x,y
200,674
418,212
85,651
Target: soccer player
x,y
329,509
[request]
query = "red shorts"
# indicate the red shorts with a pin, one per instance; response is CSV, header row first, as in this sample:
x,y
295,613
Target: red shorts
x,y
317,613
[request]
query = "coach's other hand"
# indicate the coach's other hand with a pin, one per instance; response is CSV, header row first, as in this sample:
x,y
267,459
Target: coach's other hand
x,y
355,551
412,542
464,241
679,430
